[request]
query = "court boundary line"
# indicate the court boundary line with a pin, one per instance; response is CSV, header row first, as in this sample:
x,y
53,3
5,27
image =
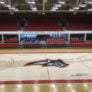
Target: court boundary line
x,y
38,52
45,81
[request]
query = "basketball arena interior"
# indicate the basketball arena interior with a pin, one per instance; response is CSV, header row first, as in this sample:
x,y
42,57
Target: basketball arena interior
x,y
45,45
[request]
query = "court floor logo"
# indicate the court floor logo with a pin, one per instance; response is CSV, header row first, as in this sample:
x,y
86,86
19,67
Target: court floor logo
x,y
48,62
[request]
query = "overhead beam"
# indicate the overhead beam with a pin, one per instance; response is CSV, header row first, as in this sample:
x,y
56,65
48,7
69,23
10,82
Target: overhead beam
x,y
43,8
77,3
29,11
9,2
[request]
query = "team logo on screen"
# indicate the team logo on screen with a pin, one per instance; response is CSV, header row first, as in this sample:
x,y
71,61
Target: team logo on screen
x,y
48,62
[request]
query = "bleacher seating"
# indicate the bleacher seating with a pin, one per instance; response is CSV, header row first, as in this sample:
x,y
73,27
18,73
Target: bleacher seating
x,y
55,42
8,45
81,44
32,45
79,24
8,24
76,39
43,25
11,40
9,28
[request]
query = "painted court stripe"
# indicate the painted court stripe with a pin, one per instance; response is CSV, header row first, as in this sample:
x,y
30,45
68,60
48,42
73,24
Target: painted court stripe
x,y
38,52
45,81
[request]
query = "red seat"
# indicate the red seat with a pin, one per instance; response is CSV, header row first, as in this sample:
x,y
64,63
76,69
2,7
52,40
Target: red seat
x,y
80,24
9,28
8,45
81,44
8,24
33,45
55,42
45,24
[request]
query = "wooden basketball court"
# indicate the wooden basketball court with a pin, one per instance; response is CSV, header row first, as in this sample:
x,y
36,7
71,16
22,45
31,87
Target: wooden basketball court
x,y
15,77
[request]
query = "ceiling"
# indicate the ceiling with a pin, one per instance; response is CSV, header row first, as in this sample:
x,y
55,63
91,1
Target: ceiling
x,y
45,6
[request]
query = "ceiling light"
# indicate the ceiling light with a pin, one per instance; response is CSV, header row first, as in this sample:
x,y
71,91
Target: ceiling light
x,y
83,5
59,5
7,5
61,2
89,2
31,2
71,9
89,9
76,8
2,2
56,5
16,9
13,8
34,9
53,9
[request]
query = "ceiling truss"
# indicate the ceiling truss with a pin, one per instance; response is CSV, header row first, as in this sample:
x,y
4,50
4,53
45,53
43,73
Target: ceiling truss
x,y
45,6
